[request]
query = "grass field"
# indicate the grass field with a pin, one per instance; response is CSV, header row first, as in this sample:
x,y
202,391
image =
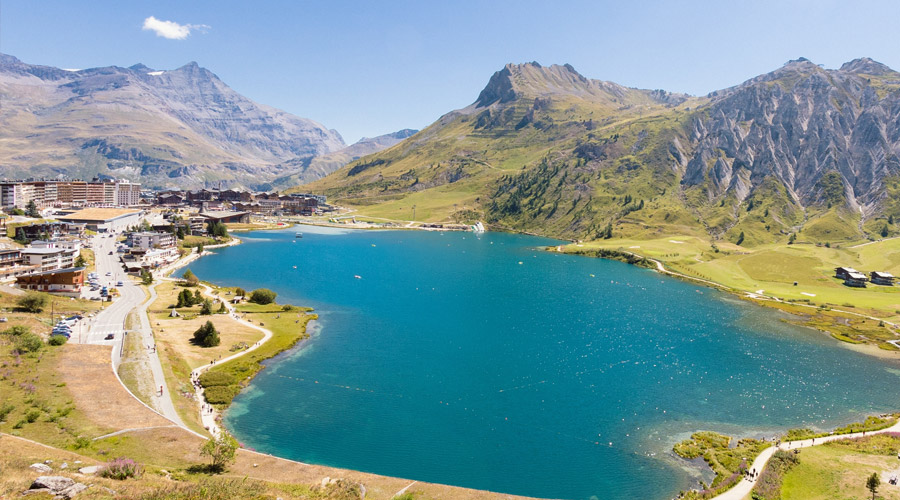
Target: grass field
x,y
839,470
178,332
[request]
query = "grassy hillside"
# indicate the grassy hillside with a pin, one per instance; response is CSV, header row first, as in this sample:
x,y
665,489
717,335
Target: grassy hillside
x,y
546,150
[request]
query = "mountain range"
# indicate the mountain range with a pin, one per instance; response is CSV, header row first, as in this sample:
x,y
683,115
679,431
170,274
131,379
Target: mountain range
x,y
181,128
802,149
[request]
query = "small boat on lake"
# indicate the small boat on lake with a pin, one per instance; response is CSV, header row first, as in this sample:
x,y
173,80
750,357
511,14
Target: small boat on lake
x,y
298,235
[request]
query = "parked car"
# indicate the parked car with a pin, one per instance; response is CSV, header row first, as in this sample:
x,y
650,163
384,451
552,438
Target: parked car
x,y
109,336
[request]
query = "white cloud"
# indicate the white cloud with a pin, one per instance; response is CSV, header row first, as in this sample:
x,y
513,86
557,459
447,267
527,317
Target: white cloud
x,y
171,29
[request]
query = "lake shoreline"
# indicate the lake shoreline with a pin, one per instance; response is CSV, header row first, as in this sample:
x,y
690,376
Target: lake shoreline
x,y
677,275
761,300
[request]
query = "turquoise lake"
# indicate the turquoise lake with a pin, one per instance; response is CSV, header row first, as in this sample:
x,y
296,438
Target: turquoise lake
x,y
480,361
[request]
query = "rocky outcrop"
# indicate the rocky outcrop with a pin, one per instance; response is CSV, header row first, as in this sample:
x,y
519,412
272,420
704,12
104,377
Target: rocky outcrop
x,y
58,486
797,124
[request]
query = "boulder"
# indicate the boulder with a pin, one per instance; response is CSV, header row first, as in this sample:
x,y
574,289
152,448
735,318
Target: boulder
x,y
59,486
71,491
41,468
91,469
55,483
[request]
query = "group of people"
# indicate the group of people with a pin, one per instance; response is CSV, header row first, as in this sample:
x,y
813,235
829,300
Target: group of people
x,y
752,475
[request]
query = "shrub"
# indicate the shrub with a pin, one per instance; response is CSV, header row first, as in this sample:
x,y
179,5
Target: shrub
x,y
206,308
220,451
287,308
216,378
81,442
263,296
190,278
5,410
32,415
240,292
121,469
28,342
222,308
207,335
32,302
17,330
768,486
57,340
221,394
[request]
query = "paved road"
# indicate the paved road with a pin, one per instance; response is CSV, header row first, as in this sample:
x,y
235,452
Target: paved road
x,y
112,320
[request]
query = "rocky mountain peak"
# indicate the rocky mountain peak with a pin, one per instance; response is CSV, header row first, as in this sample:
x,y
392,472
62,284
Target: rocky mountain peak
x,y
867,66
534,80
141,68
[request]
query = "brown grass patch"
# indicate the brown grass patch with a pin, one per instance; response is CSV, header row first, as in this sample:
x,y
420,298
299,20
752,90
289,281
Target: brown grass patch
x,y
98,394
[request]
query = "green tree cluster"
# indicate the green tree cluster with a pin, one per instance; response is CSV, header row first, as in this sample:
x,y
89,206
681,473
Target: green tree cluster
x,y
146,277
31,210
207,335
206,307
263,296
216,229
190,278
188,299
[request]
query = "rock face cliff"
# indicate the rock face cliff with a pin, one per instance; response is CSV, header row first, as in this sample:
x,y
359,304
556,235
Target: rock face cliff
x,y
183,127
797,124
546,149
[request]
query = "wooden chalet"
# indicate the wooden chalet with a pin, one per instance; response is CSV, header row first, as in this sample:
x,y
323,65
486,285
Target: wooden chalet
x,y
843,272
856,280
882,278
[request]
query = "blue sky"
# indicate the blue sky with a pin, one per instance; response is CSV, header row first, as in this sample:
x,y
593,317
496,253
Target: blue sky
x,y
367,68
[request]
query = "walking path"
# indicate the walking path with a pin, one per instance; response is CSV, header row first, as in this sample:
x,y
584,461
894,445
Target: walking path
x,y
745,486
208,414
164,399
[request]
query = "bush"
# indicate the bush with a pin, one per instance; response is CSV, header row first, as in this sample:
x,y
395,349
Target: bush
x,y
57,340
32,415
222,308
5,410
190,278
220,451
240,292
207,335
768,486
221,394
32,302
81,442
28,342
287,308
206,308
121,469
216,378
17,330
263,296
